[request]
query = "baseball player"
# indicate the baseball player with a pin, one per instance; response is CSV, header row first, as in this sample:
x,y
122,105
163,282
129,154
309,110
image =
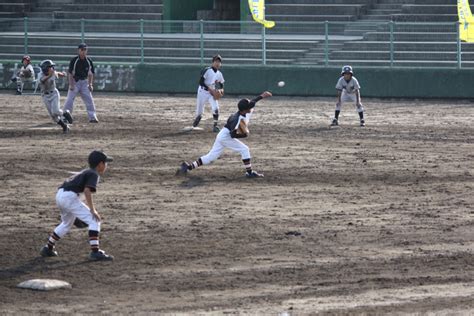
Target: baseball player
x,y
348,90
210,82
50,94
80,77
228,138
71,207
25,74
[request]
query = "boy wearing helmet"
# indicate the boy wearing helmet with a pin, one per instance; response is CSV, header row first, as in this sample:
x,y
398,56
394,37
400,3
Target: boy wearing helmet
x,y
348,90
72,208
50,94
228,138
25,74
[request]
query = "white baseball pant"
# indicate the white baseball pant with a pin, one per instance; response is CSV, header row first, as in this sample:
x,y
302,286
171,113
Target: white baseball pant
x,y
204,96
349,97
81,87
71,207
51,101
223,141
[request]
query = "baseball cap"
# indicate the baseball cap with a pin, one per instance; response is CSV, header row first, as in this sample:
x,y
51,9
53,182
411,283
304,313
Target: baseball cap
x,y
217,57
82,45
245,104
96,157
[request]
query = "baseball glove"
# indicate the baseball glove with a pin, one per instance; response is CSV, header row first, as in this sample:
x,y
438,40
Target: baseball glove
x,y
218,93
243,128
79,224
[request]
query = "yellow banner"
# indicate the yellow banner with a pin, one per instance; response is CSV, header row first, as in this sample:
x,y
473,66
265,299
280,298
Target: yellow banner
x,y
257,8
466,21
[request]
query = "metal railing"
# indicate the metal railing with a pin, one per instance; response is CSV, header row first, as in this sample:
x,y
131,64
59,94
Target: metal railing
x,y
371,44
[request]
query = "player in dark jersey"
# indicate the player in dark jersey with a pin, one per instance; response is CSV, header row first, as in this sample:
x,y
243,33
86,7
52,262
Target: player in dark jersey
x,y
228,138
81,77
68,201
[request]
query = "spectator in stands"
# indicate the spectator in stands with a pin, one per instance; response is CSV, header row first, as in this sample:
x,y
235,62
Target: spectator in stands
x,y
81,77
25,74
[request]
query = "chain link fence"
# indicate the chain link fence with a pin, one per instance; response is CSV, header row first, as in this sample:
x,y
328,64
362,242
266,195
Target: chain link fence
x,y
360,43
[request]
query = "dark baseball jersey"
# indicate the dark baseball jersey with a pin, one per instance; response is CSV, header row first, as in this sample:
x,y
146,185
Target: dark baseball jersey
x,y
233,121
86,178
79,68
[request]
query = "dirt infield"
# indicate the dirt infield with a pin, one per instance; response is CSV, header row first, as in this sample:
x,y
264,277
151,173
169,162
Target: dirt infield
x,y
346,221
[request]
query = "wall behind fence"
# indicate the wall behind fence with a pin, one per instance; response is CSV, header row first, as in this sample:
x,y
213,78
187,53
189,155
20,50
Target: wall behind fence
x,y
312,81
251,80
107,77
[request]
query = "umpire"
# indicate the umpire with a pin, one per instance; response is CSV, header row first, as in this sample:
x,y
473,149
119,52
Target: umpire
x,y
81,77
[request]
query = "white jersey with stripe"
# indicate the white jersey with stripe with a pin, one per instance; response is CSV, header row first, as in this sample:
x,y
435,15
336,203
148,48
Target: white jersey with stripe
x,y
211,75
349,87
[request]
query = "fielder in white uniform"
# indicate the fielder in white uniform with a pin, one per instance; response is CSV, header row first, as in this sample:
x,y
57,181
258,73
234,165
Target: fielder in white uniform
x,y
348,90
25,74
211,80
50,94
228,138
71,207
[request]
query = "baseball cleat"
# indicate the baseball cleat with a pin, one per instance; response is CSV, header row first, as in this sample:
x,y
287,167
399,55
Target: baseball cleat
x,y
253,174
94,120
18,92
100,256
216,129
183,169
362,123
46,252
64,126
67,116
334,122
197,120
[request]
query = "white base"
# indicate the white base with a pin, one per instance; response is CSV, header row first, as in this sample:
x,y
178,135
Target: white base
x,y
192,128
44,284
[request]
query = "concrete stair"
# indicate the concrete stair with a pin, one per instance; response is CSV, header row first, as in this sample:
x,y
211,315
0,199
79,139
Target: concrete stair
x,y
158,50
358,30
415,44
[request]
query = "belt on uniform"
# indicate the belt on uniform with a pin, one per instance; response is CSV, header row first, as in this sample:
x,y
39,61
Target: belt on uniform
x,y
70,191
48,92
204,88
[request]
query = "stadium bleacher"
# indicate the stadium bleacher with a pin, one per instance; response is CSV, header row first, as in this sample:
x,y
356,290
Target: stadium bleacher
x,y
359,32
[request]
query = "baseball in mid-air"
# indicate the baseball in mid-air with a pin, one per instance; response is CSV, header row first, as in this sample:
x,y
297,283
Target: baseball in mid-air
x,y
281,84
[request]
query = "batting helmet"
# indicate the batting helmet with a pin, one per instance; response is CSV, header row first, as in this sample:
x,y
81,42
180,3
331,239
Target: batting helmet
x,y
347,69
45,65
27,58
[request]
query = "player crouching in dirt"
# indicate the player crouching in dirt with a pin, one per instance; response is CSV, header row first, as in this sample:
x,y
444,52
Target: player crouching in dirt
x,y
348,90
236,127
75,212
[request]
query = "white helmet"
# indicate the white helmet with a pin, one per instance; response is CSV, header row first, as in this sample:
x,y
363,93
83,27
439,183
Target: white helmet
x,y
347,69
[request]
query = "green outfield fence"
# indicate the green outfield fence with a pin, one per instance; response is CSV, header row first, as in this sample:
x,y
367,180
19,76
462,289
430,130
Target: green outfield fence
x,y
324,44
